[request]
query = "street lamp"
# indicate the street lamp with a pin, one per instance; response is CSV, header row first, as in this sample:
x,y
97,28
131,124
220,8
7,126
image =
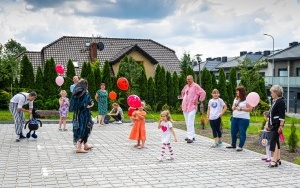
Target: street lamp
x,y
199,62
273,74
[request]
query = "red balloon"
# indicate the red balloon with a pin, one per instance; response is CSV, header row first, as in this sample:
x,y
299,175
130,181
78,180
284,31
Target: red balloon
x,y
112,95
59,69
134,101
123,83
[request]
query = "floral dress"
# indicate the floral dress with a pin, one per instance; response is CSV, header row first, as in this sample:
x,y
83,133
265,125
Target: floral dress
x,y
64,108
102,102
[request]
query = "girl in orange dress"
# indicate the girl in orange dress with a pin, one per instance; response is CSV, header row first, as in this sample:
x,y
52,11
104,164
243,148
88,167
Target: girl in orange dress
x,y
138,131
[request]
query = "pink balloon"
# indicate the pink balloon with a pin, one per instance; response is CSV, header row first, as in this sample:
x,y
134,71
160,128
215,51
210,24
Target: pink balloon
x,y
253,99
59,69
134,101
59,80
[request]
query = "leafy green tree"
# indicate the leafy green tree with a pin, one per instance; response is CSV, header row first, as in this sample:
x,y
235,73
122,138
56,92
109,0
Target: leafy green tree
x,y
50,87
142,80
185,63
190,71
182,82
91,80
27,75
222,86
97,74
6,75
232,80
151,91
170,89
39,80
206,85
69,76
12,48
156,77
263,95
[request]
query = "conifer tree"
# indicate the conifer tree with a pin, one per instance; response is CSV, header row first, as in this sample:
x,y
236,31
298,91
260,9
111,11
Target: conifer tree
x,y
263,95
97,74
91,80
182,82
69,77
84,70
50,88
185,63
26,75
176,89
39,80
232,81
142,81
206,84
161,90
214,84
190,71
151,93
170,89
106,76
222,86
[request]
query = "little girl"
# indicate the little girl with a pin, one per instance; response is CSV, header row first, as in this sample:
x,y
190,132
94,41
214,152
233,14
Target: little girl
x,y
216,108
63,109
138,131
265,138
166,127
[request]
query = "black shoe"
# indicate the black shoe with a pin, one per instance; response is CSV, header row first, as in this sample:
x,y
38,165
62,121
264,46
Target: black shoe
x,y
22,136
230,147
189,141
186,139
273,165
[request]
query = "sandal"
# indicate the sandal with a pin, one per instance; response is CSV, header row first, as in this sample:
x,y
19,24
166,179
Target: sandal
x,y
81,151
273,165
139,147
279,161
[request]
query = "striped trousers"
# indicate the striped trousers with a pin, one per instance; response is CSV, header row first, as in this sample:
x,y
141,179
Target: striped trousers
x,y
18,117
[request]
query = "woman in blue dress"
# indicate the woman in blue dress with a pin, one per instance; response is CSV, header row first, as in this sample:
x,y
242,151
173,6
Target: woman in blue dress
x,y
81,102
101,97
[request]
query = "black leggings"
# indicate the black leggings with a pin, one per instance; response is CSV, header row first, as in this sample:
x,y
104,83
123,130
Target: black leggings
x,y
216,127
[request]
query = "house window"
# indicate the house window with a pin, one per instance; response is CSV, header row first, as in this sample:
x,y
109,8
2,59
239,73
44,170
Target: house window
x,y
298,71
282,72
75,63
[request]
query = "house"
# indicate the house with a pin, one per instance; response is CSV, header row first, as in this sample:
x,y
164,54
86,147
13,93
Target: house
x,y
87,49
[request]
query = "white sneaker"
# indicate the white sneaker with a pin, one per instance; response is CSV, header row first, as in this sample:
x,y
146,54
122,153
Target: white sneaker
x,y
159,158
119,122
114,122
170,158
18,138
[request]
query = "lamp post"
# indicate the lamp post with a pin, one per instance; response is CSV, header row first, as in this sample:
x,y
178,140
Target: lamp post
x,y
273,73
199,62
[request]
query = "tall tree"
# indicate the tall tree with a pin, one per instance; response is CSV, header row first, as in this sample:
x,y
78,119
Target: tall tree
x,y
151,93
27,75
185,63
39,80
106,76
69,76
12,48
142,80
176,89
50,88
84,70
91,80
161,89
206,84
170,89
222,86
214,84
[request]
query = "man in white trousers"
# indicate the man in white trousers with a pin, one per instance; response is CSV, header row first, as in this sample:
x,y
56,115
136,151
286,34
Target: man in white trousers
x,y
192,94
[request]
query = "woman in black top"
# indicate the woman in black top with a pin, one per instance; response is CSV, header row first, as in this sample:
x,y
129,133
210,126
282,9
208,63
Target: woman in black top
x,y
276,122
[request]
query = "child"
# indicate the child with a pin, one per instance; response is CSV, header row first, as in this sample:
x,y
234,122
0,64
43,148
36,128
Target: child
x,y
165,125
63,109
265,138
216,108
138,131
116,113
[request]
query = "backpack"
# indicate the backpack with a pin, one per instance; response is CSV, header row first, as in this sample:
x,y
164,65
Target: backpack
x,y
106,119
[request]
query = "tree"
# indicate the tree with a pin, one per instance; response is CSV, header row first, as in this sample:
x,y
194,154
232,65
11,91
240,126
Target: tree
x,y
185,63
176,90
142,80
170,89
206,84
27,75
91,80
161,89
214,84
97,74
39,80
151,93
232,81
84,70
12,48
69,76
50,88
222,86
106,76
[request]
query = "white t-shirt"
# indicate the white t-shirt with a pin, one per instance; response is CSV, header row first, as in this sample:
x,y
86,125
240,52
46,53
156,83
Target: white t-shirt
x,y
166,132
240,114
216,107
21,100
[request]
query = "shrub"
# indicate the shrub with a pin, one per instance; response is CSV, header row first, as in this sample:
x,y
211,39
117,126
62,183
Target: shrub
x,y
4,99
293,139
165,107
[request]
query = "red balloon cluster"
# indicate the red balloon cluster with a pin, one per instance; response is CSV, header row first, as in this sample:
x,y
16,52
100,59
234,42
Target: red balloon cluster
x,y
112,95
59,69
134,101
123,84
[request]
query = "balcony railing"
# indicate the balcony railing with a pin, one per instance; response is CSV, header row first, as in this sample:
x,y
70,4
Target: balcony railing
x,y
283,81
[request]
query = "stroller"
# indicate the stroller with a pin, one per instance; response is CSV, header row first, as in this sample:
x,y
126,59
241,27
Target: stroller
x,y
33,124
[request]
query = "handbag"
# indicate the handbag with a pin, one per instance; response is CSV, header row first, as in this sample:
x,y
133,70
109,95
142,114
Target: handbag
x,y
281,137
265,138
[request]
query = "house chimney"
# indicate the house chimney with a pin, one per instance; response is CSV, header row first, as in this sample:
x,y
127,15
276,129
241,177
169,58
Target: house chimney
x,y
257,53
93,51
267,52
224,59
293,44
218,58
243,53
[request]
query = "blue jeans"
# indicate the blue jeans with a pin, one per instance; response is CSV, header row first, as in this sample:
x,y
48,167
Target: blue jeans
x,y
239,125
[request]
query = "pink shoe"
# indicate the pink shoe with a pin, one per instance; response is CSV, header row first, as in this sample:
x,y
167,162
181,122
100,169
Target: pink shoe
x,y
268,160
264,159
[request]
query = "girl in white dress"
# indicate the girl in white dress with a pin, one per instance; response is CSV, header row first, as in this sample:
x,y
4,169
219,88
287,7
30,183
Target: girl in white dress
x,y
166,127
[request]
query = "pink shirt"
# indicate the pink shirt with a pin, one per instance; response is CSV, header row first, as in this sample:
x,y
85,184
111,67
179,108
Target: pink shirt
x,y
190,95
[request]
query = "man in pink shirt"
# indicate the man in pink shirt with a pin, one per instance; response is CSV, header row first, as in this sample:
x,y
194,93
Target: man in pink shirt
x,y
192,94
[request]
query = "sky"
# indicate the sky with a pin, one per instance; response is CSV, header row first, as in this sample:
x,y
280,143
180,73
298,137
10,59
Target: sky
x,y
213,28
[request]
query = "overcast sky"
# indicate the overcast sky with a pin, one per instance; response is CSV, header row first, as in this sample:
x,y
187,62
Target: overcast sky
x,y
210,27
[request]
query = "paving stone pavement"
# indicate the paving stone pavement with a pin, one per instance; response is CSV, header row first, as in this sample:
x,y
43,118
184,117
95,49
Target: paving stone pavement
x,y
50,161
